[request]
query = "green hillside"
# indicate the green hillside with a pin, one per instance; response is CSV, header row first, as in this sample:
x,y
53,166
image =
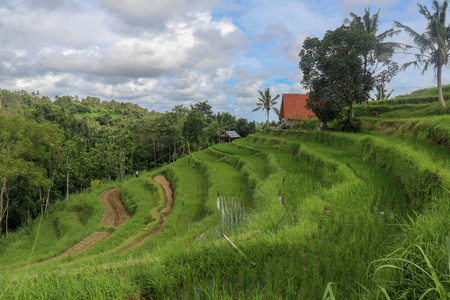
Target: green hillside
x,y
312,215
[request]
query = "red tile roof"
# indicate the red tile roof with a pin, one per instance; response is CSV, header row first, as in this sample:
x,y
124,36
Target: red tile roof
x,y
293,107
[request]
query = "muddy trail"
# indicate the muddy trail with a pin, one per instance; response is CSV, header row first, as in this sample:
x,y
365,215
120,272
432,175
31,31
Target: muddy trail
x,y
168,193
114,215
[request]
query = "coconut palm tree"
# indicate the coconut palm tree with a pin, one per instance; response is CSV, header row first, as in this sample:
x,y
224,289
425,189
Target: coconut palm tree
x,y
369,24
267,103
378,61
434,44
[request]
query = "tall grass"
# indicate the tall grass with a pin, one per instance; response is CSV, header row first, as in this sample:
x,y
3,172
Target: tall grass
x,y
420,267
305,209
435,130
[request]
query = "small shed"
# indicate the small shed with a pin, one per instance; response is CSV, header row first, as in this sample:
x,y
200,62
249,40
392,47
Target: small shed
x,y
229,136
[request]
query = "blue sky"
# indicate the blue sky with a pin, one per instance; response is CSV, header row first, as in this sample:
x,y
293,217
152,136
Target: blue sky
x,y
162,53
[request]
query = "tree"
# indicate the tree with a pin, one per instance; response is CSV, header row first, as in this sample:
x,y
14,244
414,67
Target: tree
x,y
186,143
204,108
333,70
433,45
244,127
381,92
325,109
22,144
193,126
378,61
267,103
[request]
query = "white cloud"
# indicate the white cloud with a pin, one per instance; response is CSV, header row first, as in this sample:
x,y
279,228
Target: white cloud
x,y
155,12
161,53
293,49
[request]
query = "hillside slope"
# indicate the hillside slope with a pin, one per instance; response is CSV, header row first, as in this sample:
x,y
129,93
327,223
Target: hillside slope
x,y
303,208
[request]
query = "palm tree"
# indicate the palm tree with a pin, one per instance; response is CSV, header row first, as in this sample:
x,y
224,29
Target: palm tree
x,y
383,51
381,92
267,103
433,45
369,24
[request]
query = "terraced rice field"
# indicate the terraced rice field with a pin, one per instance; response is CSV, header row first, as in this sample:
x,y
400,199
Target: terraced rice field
x,y
303,209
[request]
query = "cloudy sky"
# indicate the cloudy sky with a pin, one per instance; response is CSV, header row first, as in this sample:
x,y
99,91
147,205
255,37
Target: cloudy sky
x,y
161,53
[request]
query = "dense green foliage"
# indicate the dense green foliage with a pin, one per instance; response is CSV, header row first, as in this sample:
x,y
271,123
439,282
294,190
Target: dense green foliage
x,y
409,116
334,71
51,149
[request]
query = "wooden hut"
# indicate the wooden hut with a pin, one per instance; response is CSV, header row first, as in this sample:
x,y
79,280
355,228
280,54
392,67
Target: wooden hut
x,y
228,136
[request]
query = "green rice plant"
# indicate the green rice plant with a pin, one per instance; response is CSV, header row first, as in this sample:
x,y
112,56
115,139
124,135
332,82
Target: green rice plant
x,y
326,227
419,174
64,225
423,280
435,129
245,157
328,293
420,266
93,284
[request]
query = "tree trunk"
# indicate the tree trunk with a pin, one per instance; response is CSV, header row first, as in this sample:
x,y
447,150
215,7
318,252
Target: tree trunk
x,y
154,150
47,197
67,178
170,154
439,86
1,202
174,149
7,213
350,113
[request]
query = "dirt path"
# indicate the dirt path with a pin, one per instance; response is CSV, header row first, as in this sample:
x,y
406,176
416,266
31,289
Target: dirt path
x,y
165,184
168,192
114,215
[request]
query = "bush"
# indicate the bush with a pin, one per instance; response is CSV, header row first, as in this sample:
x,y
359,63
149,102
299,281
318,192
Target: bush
x,y
345,126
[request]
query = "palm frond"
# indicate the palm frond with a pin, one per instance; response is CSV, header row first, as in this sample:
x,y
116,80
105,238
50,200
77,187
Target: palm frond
x,y
419,39
388,33
262,95
266,102
277,111
425,67
411,63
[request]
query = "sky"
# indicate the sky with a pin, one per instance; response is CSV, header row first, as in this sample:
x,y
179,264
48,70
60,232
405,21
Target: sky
x,y
163,53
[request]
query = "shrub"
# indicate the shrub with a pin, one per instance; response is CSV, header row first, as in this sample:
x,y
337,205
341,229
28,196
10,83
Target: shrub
x,y
345,126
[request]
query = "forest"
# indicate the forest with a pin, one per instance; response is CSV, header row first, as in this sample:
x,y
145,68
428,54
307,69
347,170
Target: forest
x,y
53,148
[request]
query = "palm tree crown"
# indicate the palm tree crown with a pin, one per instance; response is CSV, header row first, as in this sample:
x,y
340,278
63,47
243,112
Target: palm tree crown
x,y
369,23
267,103
434,44
379,60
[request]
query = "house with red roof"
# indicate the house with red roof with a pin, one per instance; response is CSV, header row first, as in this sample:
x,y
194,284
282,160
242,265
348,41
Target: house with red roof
x,y
293,107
